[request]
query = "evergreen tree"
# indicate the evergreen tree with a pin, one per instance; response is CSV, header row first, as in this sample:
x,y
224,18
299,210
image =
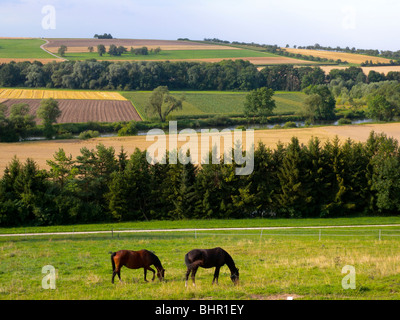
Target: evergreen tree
x,y
293,195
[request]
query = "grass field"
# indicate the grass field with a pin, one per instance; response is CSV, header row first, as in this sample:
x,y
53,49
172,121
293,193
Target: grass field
x,y
23,48
217,102
274,265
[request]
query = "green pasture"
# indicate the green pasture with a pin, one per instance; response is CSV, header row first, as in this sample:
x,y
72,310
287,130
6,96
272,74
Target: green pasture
x,y
173,55
296,262
22,49
217,102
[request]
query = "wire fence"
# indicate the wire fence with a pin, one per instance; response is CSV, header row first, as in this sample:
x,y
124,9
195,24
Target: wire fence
x,y
314,233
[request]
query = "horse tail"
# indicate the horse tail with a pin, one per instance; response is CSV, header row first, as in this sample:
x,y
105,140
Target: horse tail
x,y
112,259
187,262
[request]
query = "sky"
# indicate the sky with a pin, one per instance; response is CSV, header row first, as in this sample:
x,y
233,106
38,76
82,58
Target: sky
x,y
364,24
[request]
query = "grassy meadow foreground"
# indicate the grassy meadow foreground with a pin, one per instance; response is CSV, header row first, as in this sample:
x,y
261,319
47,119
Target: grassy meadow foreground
x,y
273,265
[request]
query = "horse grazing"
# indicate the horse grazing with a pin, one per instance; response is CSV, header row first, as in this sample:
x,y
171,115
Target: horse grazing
x,y
135,260
209,258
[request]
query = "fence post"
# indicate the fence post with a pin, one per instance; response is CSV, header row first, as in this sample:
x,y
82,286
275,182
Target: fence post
x,y
319,237
380,235
261,234
195,233
112,232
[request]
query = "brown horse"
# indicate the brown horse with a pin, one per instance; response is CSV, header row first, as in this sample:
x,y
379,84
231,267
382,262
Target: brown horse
x,y
209,258
135,260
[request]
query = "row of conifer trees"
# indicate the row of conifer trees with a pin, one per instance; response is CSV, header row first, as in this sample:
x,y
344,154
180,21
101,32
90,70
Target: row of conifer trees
x,y
330,179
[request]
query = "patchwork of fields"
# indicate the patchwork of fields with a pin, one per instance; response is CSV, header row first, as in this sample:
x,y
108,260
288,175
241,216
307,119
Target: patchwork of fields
x,y
78,49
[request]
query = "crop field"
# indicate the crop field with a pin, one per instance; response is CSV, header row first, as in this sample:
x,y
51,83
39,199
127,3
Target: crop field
x,y
349,57
385,69
41,151
301,263
85,110
217,102
59,94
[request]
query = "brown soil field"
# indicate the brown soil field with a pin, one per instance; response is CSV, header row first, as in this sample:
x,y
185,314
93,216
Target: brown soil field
x,y
385,70
41,151
73,110
349,57
81,45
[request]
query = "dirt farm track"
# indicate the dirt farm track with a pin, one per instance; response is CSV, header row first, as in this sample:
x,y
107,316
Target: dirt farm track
x,y
41,151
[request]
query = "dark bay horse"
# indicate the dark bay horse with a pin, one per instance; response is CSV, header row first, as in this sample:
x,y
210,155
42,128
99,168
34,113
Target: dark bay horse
x,y
135,260
209,258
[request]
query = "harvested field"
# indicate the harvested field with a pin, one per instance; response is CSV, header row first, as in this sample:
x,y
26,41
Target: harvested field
x,y
81,45
349,57
385,70
73,111
44,61
59,94
41,151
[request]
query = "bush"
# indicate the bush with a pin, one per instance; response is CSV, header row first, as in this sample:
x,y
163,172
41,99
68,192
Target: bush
x,y
290,124
88,134
129,129
344,121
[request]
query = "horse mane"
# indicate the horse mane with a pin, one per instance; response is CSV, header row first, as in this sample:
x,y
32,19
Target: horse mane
x,y
157,261
229,262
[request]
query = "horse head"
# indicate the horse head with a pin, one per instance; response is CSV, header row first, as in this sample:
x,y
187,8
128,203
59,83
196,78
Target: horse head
x,y
160,273
235,276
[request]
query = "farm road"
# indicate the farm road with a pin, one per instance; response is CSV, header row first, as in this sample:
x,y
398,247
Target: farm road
x,y
54,55
188,230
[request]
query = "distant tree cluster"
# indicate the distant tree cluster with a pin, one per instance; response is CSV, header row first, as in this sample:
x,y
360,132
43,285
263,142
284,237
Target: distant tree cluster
x,y
114,50
333,179
16,126
370,63
103,36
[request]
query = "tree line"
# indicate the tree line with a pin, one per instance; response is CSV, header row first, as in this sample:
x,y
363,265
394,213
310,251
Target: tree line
x,y
148,75
294,180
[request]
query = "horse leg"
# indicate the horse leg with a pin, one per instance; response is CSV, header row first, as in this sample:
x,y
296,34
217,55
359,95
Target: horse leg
x,y
154,273
116,272
216,275
187,275
194,270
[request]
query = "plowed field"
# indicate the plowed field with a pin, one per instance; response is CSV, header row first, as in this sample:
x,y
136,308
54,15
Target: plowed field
x,y
73,110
